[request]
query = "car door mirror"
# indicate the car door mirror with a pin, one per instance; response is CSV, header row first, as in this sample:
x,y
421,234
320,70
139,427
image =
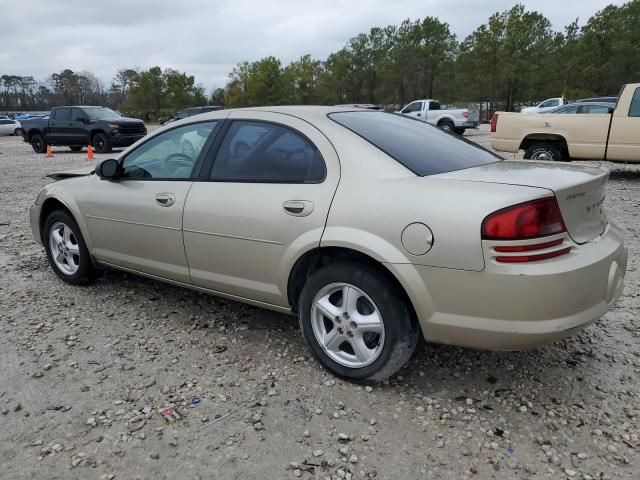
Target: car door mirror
x,y
108,169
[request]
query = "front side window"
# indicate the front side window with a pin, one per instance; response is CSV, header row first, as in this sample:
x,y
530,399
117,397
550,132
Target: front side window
x,y
77,114
170,155
422,148
63,115
262,152
634,110
413,107
565,110
550,103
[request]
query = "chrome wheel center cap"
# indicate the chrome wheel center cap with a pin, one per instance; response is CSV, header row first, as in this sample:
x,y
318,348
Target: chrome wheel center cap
x,y
345,326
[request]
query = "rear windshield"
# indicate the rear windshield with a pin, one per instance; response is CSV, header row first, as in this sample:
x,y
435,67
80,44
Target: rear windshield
x,y
419,146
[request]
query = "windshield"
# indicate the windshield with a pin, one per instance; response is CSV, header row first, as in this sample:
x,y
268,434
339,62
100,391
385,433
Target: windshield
x,y
419,146
101,113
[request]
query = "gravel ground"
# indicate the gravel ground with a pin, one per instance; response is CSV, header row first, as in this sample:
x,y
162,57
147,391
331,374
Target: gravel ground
x,y
84,372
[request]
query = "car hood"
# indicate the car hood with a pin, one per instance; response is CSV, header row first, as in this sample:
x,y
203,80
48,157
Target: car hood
x,y
77,172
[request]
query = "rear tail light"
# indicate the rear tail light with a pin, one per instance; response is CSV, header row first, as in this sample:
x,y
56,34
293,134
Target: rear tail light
x,y
526,221
494,122
465,114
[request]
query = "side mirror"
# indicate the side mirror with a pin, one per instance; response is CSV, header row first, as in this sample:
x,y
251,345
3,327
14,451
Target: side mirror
x,y
108,169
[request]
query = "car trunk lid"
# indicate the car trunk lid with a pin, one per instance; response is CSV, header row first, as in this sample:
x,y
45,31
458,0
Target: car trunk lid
x,y
580,190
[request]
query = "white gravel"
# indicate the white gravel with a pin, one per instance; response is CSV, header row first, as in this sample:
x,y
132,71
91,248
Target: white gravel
x,y
85,371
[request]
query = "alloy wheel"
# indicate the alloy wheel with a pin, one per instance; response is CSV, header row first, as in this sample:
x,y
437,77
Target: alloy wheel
x,y
65,250
347,325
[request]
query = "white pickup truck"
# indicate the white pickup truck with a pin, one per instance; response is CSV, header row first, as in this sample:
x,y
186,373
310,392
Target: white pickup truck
x,y
454,120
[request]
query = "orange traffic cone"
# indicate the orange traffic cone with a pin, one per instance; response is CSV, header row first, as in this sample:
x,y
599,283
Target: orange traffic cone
x,y
89,152
49,153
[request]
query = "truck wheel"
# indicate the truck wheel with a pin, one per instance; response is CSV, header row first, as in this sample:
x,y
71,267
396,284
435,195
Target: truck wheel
x,y
547,152
447,125
75,148
37,143
459,131
356,323
101,143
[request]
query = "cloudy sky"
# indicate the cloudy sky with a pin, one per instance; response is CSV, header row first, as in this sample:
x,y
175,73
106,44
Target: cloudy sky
x,y
206,38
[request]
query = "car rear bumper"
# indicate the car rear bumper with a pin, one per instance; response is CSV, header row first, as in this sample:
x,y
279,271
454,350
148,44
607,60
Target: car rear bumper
x,y
522,308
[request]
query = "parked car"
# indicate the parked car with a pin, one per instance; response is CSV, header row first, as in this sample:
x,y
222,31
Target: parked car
x,y
189,112
545,106
366,106
430,111
338,216
78,126
591,136
9,126
610,99
582,107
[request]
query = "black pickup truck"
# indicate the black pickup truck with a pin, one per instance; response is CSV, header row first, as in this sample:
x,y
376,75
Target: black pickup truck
x,y
77,127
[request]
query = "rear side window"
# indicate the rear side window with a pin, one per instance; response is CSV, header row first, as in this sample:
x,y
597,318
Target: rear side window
x,y
422,148
63,114
261,152
634,110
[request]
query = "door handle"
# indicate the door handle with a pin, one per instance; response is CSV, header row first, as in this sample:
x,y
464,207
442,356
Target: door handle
x,y
165,199
298,208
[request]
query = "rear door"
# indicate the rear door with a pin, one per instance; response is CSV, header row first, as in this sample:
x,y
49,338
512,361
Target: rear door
x,y
259,206
6,126
59,126
624,138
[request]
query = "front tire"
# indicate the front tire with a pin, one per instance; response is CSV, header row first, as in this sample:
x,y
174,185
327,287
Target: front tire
x,y
546,152
356,322
66,250
101,143
37,143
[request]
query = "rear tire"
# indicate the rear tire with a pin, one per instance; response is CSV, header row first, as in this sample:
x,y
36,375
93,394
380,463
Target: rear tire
x,y
37,143
75,148
446,125
101,143
545,152
17,132
66,251
371,350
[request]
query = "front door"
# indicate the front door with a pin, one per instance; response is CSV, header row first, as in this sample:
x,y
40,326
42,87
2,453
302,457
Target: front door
x,y
265,200
624,139
78,128
414,109
135,221
59,126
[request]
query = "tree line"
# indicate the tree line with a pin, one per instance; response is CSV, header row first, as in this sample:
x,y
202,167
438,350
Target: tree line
x,y
515,57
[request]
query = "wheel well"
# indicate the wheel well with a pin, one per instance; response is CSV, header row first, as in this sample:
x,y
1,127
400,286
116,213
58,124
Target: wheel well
x,y
33,132
94,133
445,120
558,140
317,258
49,206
